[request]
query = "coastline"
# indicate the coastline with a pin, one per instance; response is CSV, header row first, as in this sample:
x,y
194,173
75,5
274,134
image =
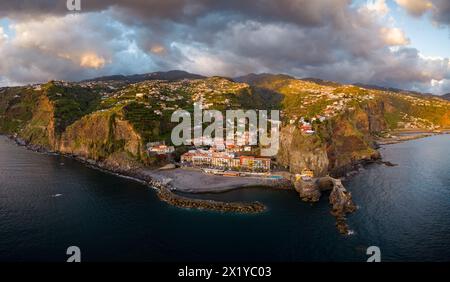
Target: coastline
x,y
400,136
165,191
194,181
161,184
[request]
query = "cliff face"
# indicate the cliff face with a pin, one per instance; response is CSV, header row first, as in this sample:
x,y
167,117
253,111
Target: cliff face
x,y
40,130
298,151
445,121
65,118
349,138
99,135
340,143
103,136
372,117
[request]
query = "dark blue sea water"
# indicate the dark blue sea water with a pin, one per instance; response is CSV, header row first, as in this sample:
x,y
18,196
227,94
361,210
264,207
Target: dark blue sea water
x,y
48,203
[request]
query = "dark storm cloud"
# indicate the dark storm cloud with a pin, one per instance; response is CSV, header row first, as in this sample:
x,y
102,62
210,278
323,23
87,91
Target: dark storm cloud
x,y
304,12
441,13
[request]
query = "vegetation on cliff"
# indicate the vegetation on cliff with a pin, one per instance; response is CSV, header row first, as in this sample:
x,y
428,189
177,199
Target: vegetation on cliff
x,y
16,107
70,103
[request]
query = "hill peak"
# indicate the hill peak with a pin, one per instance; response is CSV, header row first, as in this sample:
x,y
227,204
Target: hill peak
x,y
172,75
254,78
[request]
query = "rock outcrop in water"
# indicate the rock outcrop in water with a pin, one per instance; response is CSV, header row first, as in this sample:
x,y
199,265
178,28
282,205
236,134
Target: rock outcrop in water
x,y
340,199
308,190
342,204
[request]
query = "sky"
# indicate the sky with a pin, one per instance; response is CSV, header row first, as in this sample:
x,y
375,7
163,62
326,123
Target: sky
x,y
392,43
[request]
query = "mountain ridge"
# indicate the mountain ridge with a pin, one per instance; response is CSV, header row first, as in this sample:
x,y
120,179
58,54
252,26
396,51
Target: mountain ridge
x,y
172,75
251,79
446,96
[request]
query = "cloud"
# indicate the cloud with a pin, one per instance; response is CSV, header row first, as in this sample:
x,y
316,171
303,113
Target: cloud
x,y
70,47
439,9
3,35
378,6
158,49
92,60
304,12
394,36
415,7
350,56
440,86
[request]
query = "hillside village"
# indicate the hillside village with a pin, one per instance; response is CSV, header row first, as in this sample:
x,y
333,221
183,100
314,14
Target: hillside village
x,y
307,103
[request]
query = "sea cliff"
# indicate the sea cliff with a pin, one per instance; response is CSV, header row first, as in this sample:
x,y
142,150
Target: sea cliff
x,y
342,143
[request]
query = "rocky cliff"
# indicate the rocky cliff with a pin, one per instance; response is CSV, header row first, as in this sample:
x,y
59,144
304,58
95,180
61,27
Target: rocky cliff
x,y
40,130
103,136
340,199
342,204
341,142
299,151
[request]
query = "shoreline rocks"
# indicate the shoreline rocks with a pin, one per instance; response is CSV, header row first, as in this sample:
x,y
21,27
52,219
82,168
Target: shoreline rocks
x,y
164,191
171,198
342,204
308,190
340,199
